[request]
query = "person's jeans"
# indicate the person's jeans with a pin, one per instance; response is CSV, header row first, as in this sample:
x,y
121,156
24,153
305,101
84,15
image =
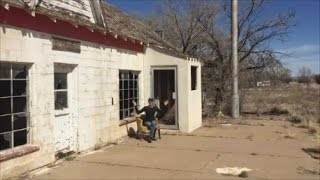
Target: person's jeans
x,y
152,126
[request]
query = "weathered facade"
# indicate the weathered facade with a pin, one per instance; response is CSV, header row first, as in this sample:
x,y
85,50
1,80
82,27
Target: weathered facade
x,y
68,74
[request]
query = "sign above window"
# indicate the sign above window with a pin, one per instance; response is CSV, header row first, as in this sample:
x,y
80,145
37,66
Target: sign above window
x,y
60,44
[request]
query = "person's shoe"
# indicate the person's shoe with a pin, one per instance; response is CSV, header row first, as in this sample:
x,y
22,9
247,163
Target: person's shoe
x,y
147,138
153,139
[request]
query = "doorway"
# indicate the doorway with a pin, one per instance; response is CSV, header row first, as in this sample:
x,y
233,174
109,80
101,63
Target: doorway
x,y
164,88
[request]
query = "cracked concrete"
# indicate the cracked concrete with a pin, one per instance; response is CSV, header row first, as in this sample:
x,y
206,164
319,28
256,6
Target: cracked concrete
x,y
196,156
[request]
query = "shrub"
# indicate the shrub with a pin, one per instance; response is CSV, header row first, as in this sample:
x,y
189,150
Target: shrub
x,y
295,119
317,78
278,111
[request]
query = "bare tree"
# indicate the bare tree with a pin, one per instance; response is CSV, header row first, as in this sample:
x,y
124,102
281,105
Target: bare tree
x,y
256,31
192,25
182,21
304,75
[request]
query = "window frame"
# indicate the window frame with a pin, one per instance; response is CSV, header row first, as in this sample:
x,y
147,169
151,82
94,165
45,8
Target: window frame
x,y
13,114
127,112
194,78
66,109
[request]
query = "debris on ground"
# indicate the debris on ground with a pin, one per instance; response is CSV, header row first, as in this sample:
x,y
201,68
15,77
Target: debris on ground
x,y
226,125
250,137
313,152
289,135
302,170
234,171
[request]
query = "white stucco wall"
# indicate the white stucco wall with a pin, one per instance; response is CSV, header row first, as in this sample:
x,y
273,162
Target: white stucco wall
x,y
95,119
194,98
97,75
20,46
188,102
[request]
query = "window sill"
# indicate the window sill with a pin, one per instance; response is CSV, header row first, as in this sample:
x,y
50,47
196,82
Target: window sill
x,y
61,112
127,121
18,152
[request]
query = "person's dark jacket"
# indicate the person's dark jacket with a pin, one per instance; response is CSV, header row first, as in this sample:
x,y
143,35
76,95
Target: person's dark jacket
x,y
150,112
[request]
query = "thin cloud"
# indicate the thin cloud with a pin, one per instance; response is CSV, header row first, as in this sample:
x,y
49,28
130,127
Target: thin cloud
x,y
302,50
307,55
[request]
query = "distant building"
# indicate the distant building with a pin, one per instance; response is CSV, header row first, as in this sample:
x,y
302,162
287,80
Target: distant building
x,y
69,71
263,83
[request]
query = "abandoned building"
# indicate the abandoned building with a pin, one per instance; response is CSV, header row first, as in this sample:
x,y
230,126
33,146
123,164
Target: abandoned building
x,y
69,70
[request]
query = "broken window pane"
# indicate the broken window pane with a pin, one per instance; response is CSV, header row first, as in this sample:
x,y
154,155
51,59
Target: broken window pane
x,y
6,124
5,104
20,121
5,89
60,81
19,104
5,71
5,141
61,100
19,87
19,71
20,138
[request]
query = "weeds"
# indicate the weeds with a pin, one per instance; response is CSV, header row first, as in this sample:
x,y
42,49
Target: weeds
x,y
301,104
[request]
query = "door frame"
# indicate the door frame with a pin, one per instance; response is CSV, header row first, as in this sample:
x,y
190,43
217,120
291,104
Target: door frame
x,y
175,69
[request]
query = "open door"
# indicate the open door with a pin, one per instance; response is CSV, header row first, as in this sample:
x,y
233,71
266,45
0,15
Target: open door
x,y
164,88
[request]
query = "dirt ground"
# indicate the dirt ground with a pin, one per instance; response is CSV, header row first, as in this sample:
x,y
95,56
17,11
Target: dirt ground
x,y
272,149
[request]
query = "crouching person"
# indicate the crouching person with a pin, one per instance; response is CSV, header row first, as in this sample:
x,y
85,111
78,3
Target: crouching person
x,y
150,115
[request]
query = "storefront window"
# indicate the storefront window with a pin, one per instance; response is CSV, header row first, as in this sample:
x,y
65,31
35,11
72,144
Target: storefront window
x,y
14,119
128,92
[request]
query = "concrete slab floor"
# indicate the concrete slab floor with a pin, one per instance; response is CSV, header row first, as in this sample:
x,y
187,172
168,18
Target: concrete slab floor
x,y
264,148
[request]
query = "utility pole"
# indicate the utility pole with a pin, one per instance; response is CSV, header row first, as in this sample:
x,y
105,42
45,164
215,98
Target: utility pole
x,y
234,30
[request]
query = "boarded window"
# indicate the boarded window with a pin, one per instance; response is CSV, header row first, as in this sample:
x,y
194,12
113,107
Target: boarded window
x,y
60,91
14,121
128,92
194,77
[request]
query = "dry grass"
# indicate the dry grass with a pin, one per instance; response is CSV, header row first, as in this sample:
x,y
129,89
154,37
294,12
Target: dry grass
x,y
300,104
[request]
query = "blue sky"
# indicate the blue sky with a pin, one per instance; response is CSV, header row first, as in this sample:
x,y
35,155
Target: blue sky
x,y
303,41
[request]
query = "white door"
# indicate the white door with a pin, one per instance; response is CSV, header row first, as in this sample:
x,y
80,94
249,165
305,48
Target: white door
x,y
65,127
